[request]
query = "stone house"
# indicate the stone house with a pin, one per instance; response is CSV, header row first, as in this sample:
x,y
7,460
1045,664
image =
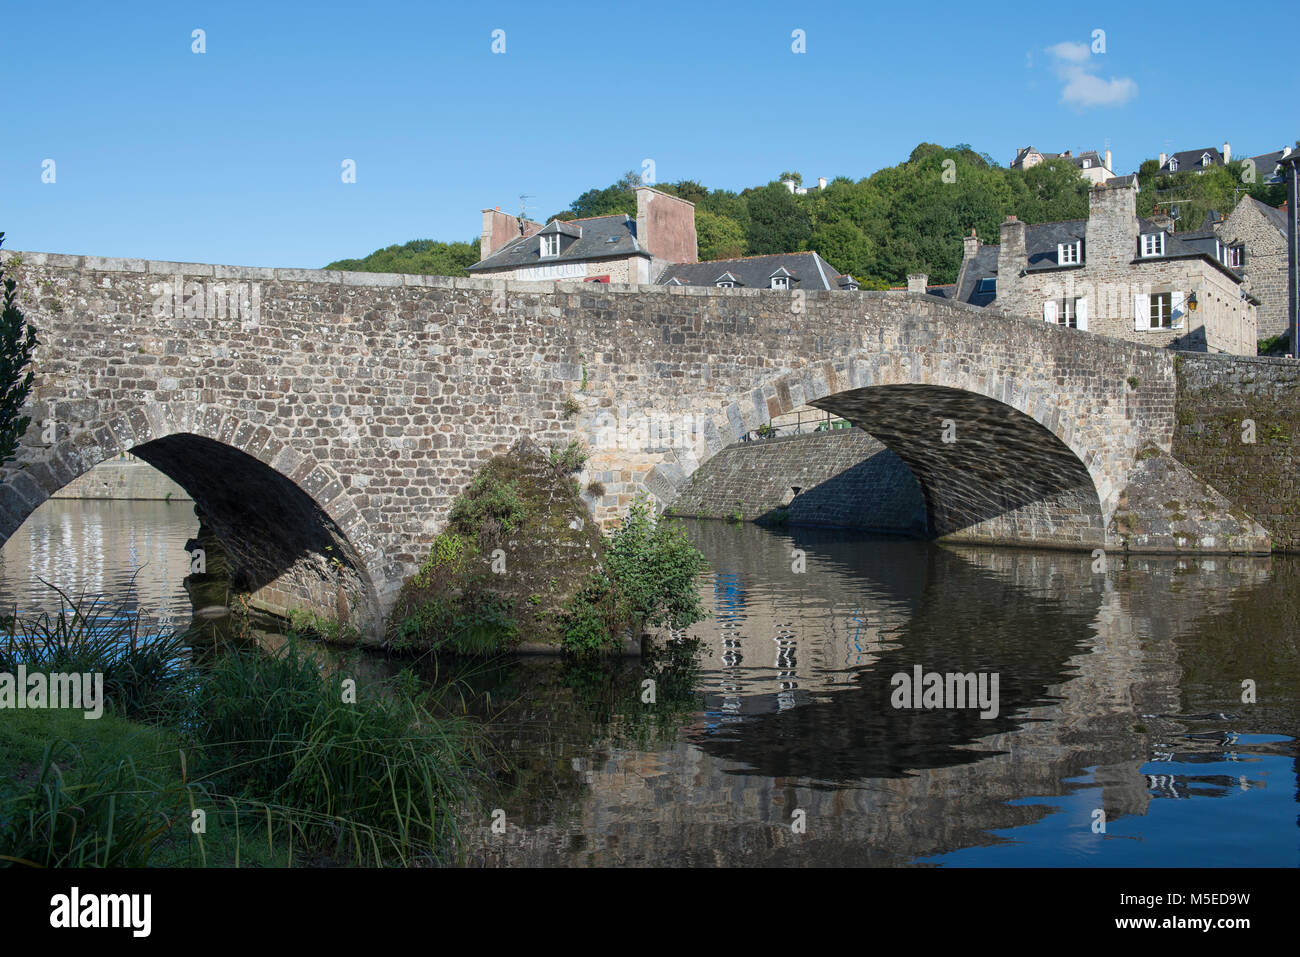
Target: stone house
x,y
1093,167
613,248
805,270
1116,274
1257,236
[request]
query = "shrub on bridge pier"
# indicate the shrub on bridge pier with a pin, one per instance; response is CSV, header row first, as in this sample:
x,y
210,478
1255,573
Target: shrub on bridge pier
x,y
521,561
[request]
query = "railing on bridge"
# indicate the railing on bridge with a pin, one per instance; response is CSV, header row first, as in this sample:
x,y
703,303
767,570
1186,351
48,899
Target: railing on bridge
x,y
801,422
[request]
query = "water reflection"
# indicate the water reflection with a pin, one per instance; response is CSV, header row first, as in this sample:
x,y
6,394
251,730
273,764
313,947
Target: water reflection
x,y
101,548
795,715
1121,695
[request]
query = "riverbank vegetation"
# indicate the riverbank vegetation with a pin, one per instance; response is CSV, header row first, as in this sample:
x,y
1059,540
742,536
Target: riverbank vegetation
x,y
224,756
522,560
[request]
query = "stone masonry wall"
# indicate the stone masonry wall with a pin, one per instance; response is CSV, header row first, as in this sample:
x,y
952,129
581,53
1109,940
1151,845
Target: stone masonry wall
x,y
1216,397
845,478
1265,265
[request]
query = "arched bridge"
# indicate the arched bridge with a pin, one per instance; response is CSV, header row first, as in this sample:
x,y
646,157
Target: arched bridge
x,y
323,420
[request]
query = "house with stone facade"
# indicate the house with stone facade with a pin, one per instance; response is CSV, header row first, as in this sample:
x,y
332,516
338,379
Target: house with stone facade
x,y
805,270
1116,274
1092,166
1256,236
613,248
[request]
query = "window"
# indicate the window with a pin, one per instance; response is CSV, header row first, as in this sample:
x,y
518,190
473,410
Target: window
x,y
1173,164
1087,164
1071,312
1161,310
780,282
1068,253
551,245
1153,244
988,284
724,284
1206,159
1236,257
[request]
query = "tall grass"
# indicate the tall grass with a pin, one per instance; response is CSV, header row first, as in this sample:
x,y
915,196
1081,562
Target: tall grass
x,y
99,635
85,810
377,780
267,739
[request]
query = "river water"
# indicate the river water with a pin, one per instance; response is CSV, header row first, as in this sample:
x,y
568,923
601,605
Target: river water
x,y
771,732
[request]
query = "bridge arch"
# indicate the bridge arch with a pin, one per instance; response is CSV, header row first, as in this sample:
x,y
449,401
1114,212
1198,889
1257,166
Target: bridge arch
x,y
1001,454
292,533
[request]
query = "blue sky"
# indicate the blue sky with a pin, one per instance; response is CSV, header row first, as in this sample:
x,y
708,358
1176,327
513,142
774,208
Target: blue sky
x,y
235,155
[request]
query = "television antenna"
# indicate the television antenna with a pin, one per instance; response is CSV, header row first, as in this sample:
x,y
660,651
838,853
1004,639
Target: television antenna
x,y
523,209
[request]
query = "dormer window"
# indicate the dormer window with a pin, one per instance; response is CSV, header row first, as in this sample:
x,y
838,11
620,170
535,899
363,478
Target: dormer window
x,y
726,281
1087,164
1173,164
1153,244
551,245
1069,254
780,282
725,284
1206,159
1236,256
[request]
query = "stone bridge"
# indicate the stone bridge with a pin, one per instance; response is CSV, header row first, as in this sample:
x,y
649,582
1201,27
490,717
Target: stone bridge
x,y
323,421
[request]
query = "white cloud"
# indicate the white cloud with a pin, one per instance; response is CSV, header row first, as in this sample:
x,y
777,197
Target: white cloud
x,y
1070,52
1082,88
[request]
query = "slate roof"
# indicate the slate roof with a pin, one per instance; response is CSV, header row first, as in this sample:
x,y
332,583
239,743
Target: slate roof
x,y
807,271
1097,159
1272,214
1042,240
1266,164
1191,159
984,266
581,239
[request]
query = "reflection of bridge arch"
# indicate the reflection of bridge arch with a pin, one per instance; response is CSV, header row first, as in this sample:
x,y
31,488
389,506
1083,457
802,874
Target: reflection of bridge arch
x,y
290,531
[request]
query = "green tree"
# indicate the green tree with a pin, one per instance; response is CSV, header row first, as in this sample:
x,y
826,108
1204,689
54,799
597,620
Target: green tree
x,y
719,237
778,222
424,257
845,247
17,342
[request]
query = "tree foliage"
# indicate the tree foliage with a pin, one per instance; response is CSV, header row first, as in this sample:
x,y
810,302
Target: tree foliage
x,y
17,343
911,217
425,257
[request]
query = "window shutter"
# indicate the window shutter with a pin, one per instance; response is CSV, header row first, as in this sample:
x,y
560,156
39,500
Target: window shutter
x,y
1049,310
1081,312
1177,309
1141,313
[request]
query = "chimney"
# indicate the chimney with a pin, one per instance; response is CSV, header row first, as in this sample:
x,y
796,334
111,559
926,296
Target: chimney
x,y
1227,153
1110,237
916,282
821,182
1108,166
970,246
1164,158
1012,259
665,226
500,228
1286,151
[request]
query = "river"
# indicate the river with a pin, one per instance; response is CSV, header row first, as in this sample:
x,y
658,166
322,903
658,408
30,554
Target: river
x,y
772,732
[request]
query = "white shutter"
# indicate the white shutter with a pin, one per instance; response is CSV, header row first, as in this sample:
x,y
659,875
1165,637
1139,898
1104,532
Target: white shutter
x,y
1141,313
1049,310
1178,308
1081,312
